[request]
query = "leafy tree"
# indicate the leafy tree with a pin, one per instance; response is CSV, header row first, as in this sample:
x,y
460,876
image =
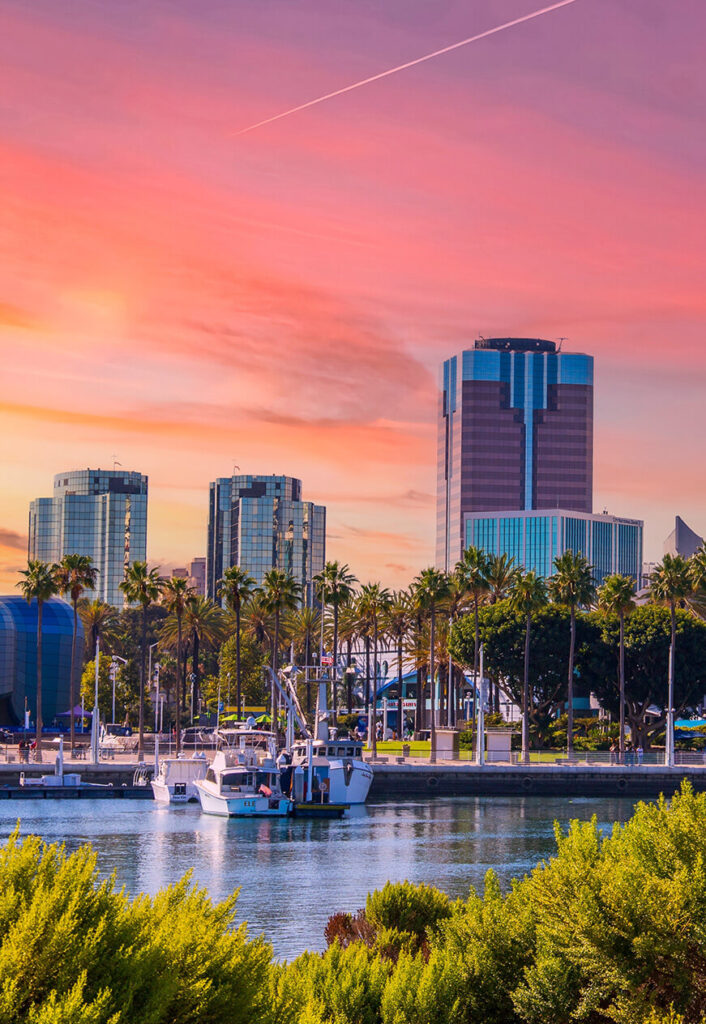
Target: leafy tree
x,y
253,660
142,586
472,570
39,584
616,597
204,624
431,588
528,594
126,698
572,585
74,574
648,633
236,588
99,620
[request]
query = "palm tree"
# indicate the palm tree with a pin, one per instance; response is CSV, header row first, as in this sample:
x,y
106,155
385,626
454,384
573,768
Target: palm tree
x,y
236,588
205,622
373,604
472,570
303,626
456,605
347,633
39,584
572,584
73,575
671,582
431,587
335,585
615,597
500,576
176,594
281,594
397,623
259,622
142,586
99,620
527,595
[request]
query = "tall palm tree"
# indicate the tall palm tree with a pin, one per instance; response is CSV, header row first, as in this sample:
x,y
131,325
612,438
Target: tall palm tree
x,y
99,620
335,586
615,597
671,582
39,584
397,622
281,594
456,606
431,587
527,595
205,622
142,586
258,620
347,633
73,575
373,604
236,587
302,626
472,570
500,576
177,594
572,585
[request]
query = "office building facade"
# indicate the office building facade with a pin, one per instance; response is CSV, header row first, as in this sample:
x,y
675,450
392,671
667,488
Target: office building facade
x,y
262,523
95,512
535,538
515,432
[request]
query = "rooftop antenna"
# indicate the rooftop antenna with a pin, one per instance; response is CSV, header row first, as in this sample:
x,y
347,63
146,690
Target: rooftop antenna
x,y
234,468
561,342
115,461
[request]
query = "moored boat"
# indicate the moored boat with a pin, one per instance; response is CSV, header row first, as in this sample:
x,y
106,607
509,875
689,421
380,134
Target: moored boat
x,y
233,789
174,783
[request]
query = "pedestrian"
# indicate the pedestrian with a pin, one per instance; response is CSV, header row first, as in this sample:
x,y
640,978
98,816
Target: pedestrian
x,y
640,753
613,753
629,755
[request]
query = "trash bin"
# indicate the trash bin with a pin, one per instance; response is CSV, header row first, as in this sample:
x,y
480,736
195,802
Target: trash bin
x,y
405,750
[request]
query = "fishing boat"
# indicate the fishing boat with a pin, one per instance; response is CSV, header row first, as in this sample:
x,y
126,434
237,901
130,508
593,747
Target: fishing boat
x,y
175,778
330,771
235,789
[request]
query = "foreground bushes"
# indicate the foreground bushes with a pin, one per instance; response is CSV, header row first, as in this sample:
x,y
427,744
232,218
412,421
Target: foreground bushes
x,y
610,929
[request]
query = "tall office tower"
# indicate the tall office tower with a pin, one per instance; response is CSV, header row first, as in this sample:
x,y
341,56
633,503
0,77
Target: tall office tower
x,y
261,523
197,569
96,512
515,434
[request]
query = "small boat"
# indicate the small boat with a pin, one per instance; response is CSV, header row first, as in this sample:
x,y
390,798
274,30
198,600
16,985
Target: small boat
x,y
234,789
339,774
174,783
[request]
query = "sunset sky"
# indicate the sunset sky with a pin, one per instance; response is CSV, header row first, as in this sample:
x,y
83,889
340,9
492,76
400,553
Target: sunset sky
x,y
185,299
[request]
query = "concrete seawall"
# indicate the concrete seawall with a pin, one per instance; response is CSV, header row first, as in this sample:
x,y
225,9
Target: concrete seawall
x,y
412,781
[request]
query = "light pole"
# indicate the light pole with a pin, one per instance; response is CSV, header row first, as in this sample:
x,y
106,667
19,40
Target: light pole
x,y
113,674
95,722
669,744
156,701
151,648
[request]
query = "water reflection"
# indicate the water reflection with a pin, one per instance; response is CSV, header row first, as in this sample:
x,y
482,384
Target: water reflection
x,y
294,873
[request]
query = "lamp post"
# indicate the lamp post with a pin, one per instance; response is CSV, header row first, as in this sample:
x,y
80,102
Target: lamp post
x,y
113,674
480,752
156,700
669,739
95,719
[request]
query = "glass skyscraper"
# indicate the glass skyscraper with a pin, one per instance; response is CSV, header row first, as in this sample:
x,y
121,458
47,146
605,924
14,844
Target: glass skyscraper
x,y
96,512
261,523
534,539
515,433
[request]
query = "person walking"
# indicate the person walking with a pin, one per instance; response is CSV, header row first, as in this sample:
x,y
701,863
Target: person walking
x,y
613,752
640,753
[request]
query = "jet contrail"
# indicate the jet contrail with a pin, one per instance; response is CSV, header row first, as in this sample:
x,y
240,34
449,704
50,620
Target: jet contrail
x,y
409,64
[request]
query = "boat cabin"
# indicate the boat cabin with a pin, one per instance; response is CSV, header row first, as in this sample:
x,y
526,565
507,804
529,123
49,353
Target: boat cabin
x,y
333,749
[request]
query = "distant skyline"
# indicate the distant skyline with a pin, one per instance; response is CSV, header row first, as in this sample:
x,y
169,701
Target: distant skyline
x,y
187,299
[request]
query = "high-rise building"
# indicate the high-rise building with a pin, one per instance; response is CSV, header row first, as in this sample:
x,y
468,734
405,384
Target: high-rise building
x,y
97,512
682,540
261,523
197,570
515,434
534,539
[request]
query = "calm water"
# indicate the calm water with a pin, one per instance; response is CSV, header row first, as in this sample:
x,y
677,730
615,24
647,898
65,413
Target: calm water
x,y
294,874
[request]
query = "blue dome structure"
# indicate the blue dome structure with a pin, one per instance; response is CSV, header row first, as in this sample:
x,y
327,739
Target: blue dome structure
x,y
18,658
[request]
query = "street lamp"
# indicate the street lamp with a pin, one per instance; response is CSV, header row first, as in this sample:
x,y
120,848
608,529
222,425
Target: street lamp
x,y
113,674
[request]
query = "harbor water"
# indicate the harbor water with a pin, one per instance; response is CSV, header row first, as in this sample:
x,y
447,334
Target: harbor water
x,y
293,874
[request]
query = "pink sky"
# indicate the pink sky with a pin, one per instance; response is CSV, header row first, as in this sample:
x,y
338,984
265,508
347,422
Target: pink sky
x,y
187,299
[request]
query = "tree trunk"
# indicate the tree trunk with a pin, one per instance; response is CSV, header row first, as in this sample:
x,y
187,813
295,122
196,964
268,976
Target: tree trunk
x,y
476,655
237,657
195,666
141,713
334,667
72,690
432,724
349,677
178,688
275,653
400,713
570,708
38,735
375,691
367,676
621,674
526,696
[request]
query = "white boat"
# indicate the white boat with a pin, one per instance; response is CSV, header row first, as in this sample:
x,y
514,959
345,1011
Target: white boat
x,y
234,789
339,774
174,783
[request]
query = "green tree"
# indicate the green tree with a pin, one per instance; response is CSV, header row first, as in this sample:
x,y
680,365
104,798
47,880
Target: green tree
x,y
253,662
373,604
75,574
39,584
671,583
303,626
528,594
142,586
99,620
281,594
572,585
431,588
236,587
335,586
616,597
126,700
176,595
205,624
473,571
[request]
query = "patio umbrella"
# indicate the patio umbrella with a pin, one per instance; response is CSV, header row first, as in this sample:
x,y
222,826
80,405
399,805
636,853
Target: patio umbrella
x,y
263,719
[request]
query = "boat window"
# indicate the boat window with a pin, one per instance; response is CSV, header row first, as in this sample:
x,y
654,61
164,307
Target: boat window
x,y
351,751
331,751
210,775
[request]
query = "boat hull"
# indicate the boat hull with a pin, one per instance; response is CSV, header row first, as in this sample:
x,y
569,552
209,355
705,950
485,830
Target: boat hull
x,y
177,793
243,806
